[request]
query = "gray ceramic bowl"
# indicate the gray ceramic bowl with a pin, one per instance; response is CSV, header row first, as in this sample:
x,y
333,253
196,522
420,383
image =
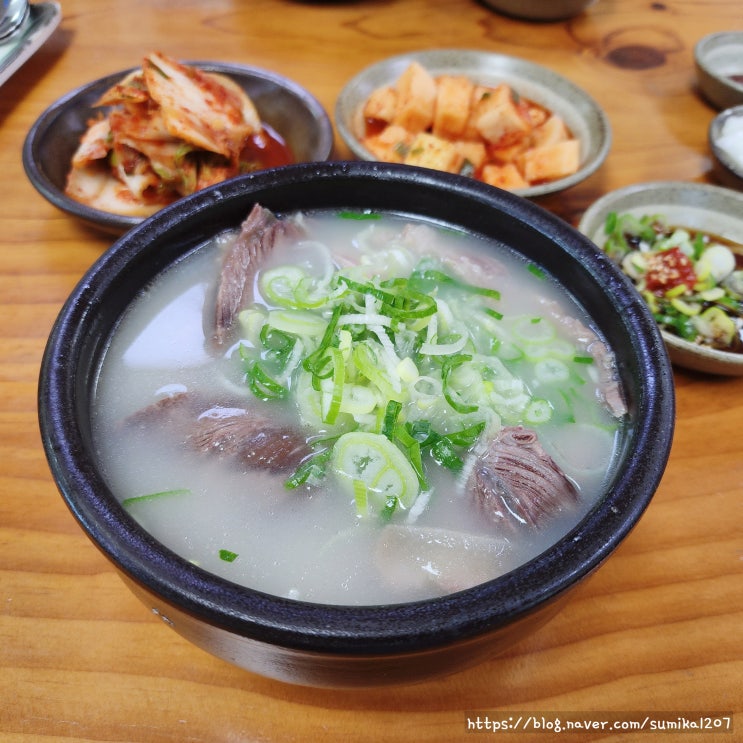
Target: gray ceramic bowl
x,y
539,10
581,113
696,205
47,151
717,57
727,157
346,646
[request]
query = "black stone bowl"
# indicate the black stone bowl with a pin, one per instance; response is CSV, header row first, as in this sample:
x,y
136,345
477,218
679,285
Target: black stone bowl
x,y
290,110
340,646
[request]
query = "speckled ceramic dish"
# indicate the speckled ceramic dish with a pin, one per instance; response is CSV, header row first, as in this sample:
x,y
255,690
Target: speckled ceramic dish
x,y
726,144
695,205
353,646
718,58
47,152
581,113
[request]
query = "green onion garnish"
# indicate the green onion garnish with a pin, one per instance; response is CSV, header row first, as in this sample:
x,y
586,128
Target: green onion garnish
x,y
127,502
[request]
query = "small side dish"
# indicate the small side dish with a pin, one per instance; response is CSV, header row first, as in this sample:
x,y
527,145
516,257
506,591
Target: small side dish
x,y
469,109
452,123
705,215
164,131
283,106
691,280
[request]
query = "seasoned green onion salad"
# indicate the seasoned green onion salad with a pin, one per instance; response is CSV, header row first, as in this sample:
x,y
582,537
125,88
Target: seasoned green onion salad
x,y
387,410
691,280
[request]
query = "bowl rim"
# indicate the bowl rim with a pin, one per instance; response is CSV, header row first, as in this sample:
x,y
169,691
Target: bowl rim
x,y
505,64
118,223
549,12
349,630
704,45
724,361
719,90
713,135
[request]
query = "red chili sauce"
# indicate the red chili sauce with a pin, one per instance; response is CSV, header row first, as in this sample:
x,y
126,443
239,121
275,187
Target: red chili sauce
x,y
265,149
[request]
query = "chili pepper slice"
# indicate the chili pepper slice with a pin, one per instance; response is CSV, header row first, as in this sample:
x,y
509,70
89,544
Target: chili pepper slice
x,y
669,269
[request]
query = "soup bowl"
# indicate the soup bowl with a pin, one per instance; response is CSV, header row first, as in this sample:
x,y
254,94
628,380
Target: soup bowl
x,y
353,646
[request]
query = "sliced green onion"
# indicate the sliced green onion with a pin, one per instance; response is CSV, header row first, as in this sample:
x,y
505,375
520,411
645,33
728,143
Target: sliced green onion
x,y
339,378
359,215
538,411
367,361
278,345
312,468
467,436
318,363
686,308
533,330
148,497
262,384
358,400
276,339
297,322
536,271
389,508
551,371
390,418
429,278
444,454
451,396
412,448
278,285
309,296
444,349
403,302
361,498
228,555
376,462
505,350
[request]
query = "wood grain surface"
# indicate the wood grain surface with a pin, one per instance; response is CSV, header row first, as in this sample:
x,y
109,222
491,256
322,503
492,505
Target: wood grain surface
x,y
658,629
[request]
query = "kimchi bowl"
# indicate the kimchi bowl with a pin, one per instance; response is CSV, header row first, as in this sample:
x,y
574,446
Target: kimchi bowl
x,y
293,114
318,639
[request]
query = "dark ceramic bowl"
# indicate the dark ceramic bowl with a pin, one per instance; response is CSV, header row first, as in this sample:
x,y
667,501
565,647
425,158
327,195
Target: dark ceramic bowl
x,y
51,142
343,646
539,10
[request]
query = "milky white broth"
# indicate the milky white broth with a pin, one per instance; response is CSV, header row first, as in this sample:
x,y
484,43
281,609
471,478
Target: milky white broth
x,y
309,543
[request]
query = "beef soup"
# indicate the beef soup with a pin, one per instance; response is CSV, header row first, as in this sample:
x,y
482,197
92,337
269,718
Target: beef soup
x,y
356,408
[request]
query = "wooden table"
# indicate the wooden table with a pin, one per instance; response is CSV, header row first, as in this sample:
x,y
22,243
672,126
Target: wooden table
x,y
659,628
